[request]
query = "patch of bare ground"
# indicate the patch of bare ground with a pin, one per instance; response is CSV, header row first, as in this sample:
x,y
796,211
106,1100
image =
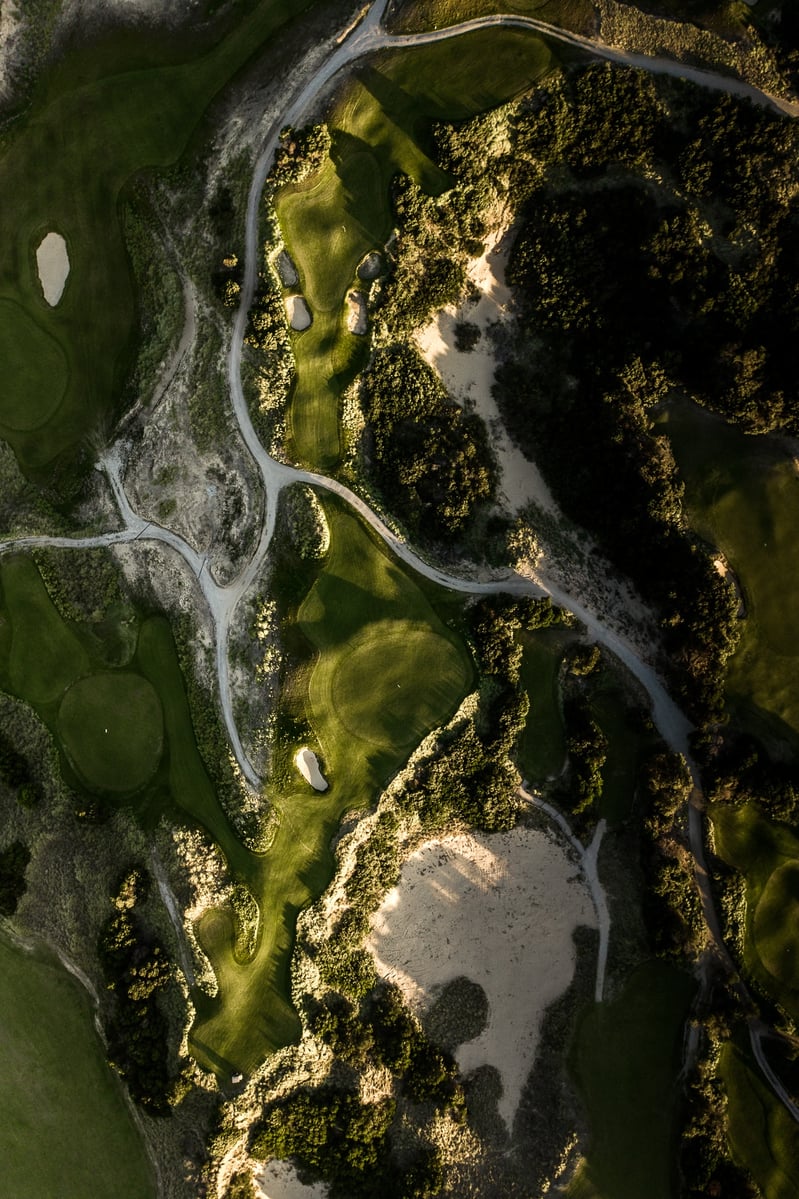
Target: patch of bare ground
x,y
212,499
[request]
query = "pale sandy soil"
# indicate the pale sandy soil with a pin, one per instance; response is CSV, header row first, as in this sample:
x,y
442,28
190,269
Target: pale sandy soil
x,y
468,376
10,34
357,320
308,765
278,1180
298,313
52,263
500,910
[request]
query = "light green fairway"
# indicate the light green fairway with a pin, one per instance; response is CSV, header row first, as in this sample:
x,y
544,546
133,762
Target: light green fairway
x,y
66,1130
35,372
112,728
380,126
626,1059
763,1138
45,656
373,627
542,743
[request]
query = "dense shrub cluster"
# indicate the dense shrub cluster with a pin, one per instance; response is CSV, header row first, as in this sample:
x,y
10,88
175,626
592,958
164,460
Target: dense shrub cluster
x,y
14,861
136,970
16,773
430,459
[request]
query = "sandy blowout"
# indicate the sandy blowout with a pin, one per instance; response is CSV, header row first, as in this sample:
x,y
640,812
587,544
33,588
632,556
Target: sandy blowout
x,y
469,375
278,1180
52,263
500,910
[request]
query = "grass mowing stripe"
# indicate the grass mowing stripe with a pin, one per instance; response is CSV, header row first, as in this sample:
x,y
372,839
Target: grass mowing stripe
x,y
66,1129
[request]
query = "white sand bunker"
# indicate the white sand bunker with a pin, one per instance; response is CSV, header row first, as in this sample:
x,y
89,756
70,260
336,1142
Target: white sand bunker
x,y
357,319
307,763
469,375
278,1180
499,910
52,263
298,312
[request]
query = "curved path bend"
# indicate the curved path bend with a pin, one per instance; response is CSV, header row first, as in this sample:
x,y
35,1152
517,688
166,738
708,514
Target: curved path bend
x,y
365,38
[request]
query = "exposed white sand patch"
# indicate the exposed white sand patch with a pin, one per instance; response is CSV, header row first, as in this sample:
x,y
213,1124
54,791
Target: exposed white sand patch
x,y
298,312
501,910
468,375
278,1180
307,763
52,263
357,319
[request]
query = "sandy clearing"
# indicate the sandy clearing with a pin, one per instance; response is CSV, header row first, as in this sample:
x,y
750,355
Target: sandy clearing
x,y
278,1180
307,763
298,312
357,320
500,910
468,375
52,263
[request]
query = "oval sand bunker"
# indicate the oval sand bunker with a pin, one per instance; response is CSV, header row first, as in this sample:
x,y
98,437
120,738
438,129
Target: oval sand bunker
x,y
308,765
299,313
52,263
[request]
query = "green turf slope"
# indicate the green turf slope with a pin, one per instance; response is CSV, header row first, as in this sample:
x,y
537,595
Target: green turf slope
x,y
387,671
66,1129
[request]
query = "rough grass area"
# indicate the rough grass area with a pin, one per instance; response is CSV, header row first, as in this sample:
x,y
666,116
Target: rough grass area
x,y
768,856
365,727
625,1059
103,113
66,1129
112,728
762,1136
380,125
742,495
416,15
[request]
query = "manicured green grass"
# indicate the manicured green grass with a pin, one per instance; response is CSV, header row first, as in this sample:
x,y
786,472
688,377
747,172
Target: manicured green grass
x,y
742,495
104,113
627,742
542,744
35,372
66,1129
768,856
112,728
625,1060
762,1136
373,627
379,126
187,778
45,656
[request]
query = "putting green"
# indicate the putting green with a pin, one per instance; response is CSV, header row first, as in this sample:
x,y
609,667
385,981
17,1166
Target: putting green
x,y
112,729
35,371
776,921
392,684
